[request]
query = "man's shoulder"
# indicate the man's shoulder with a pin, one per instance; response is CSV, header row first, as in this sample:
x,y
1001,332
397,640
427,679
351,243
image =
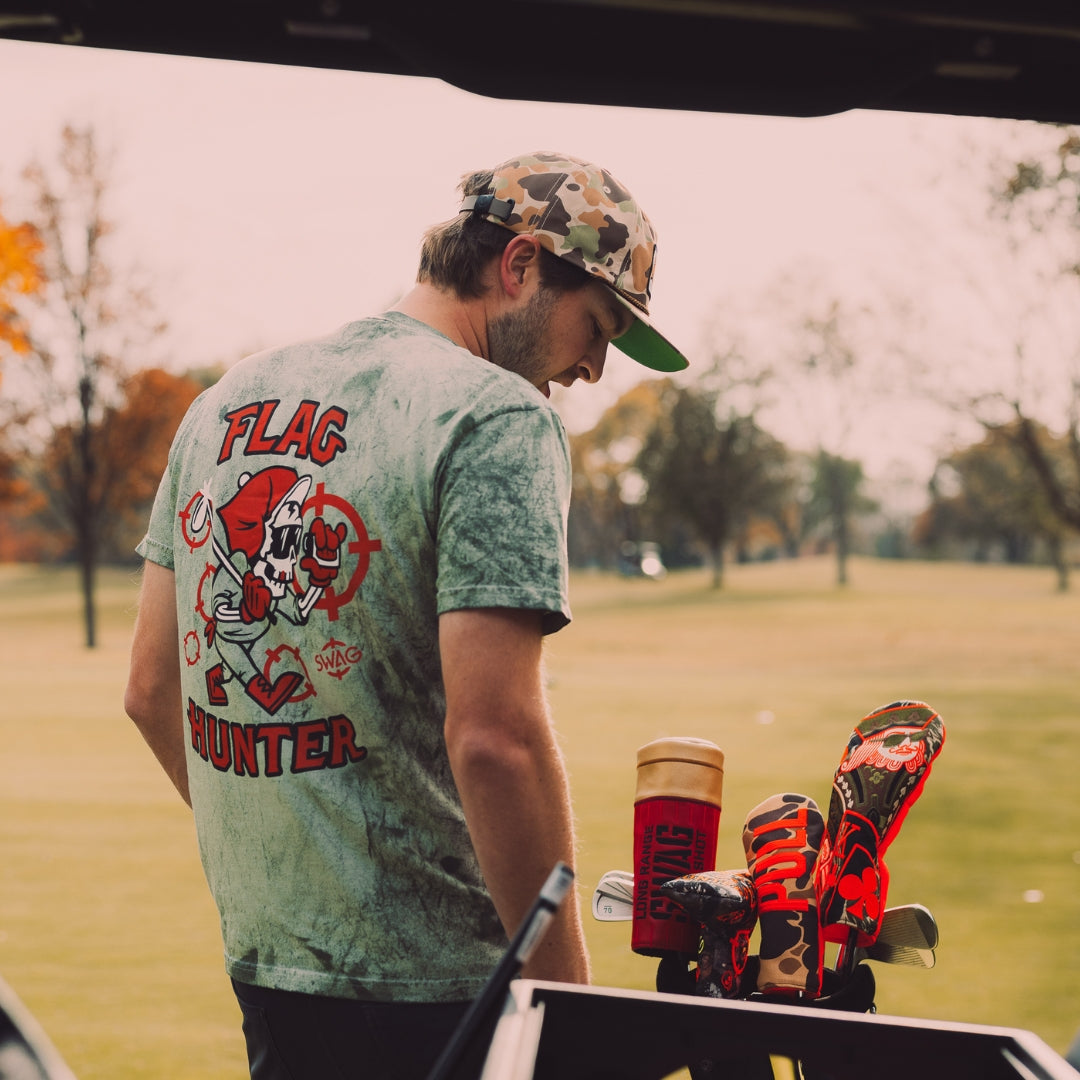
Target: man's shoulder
x,y
424,359
386,357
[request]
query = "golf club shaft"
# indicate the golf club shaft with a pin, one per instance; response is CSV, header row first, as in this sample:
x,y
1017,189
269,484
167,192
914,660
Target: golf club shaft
x,y
532,929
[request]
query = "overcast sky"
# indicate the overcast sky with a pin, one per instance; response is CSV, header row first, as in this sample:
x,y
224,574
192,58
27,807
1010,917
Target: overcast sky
x,y
270,203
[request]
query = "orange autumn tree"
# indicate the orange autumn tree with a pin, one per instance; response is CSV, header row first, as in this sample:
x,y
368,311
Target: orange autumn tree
x,y
20,275
131,440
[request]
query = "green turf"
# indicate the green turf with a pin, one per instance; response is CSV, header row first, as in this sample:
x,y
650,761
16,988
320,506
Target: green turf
x,y
109,936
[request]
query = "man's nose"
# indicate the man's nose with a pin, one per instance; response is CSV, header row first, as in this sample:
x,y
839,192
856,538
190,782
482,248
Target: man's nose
x,y
591,366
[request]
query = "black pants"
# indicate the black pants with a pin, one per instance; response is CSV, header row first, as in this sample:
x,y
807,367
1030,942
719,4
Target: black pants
x,y
305,1037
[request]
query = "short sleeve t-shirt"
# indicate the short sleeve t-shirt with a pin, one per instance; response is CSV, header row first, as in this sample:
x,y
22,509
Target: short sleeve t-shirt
x,y
323,505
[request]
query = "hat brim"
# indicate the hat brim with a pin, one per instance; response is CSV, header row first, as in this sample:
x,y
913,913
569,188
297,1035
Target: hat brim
x,y
645,344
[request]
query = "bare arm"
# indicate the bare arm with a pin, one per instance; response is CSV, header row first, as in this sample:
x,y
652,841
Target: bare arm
x,y
510,773
153,698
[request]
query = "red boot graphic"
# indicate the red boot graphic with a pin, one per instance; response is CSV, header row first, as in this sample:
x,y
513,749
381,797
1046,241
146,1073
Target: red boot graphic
x,y
271,696
215,689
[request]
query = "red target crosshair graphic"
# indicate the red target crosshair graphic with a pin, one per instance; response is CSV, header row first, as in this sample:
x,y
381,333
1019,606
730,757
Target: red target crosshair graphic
x,y
192,644
274,657
192,648
196,508
360,545
204,598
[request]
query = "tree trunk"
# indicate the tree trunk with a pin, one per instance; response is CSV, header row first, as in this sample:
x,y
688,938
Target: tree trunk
x,y
842,546
86,526
1061,563
716,555
86,568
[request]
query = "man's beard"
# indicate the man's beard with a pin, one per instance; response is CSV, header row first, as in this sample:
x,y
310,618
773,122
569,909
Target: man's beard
x,y
518,340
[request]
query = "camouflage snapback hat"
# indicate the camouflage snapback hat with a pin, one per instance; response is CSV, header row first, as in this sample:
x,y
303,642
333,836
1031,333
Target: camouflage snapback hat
x,y
580,212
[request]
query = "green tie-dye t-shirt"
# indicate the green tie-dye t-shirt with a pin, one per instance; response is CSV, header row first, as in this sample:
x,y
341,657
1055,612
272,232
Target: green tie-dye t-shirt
x,y
323,504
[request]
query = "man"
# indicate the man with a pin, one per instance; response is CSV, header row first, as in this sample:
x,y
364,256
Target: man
x,y
360,542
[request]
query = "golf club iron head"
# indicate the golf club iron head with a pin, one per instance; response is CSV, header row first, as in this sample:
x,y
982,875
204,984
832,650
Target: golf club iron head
x,y
909,935
613,898
904,955
910,924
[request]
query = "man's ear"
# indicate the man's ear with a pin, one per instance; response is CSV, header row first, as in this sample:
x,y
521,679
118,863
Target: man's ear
x,y
519,265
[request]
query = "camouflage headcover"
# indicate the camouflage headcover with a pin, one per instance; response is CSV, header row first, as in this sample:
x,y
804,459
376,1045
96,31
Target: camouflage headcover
x,y
580,212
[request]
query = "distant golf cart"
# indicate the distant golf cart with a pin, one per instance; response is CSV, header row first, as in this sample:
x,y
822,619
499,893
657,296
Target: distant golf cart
x,y
641,559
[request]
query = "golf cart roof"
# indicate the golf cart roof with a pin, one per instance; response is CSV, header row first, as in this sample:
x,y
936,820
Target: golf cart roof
x,y
1004,58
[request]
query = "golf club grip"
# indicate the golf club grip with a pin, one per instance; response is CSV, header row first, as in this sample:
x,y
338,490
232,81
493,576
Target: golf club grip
x,y
524,942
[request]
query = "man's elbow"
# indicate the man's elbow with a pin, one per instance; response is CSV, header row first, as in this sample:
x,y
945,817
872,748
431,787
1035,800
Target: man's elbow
x,y
144,699
499,750
136,703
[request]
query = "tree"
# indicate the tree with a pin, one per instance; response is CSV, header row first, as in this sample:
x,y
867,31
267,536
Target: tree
x,y
607,487
816,363
836,498
708,473
131,442
837,388
1045,190
78,329
20,275
1036,203
987,494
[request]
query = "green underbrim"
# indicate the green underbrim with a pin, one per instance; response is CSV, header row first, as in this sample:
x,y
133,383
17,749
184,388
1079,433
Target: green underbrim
x,y
648,346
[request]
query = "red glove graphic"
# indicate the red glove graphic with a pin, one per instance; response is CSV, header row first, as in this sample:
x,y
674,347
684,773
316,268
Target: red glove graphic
x,y
255,602
322,547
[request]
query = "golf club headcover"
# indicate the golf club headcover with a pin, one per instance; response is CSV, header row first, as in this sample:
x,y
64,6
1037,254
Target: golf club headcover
x,y
881,774
724,902
781,838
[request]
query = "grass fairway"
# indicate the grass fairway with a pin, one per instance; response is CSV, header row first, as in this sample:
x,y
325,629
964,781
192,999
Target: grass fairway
x,y
108,935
